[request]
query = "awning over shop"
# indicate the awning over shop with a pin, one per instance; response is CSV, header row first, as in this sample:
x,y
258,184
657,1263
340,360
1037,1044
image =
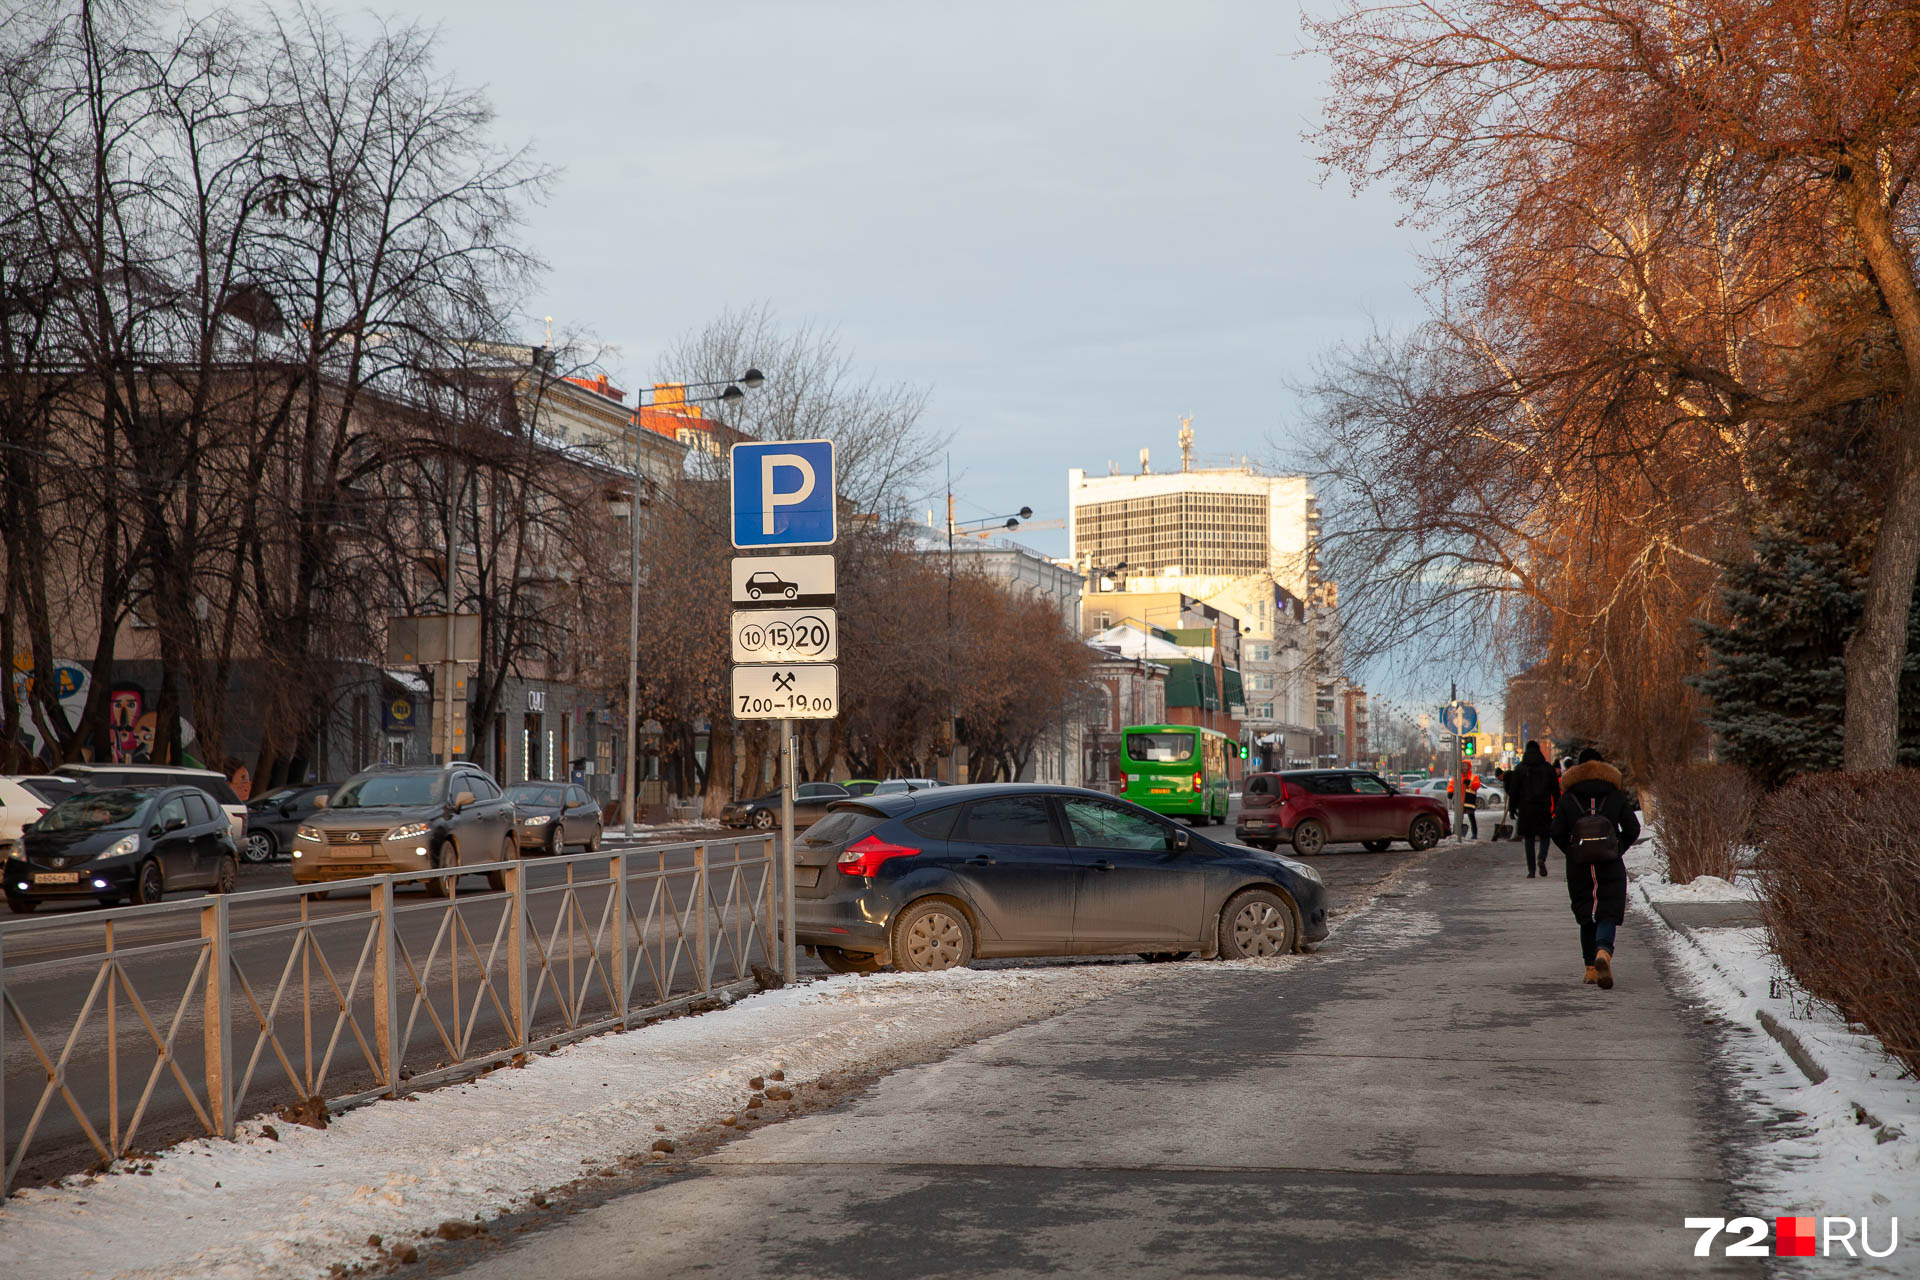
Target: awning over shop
x,y
408,680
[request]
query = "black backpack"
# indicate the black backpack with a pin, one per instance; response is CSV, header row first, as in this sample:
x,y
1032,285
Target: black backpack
x,y
1594,837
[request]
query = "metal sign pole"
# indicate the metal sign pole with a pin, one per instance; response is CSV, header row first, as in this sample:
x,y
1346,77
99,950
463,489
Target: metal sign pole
x,y
789,962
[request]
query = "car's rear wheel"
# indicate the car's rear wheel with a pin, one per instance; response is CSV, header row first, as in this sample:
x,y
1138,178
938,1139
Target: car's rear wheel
x,y
1425,832
1257,924
930,936
839,961
259,847
1376,846
151,884
1309,838
21,906
764,819
227,879
497,880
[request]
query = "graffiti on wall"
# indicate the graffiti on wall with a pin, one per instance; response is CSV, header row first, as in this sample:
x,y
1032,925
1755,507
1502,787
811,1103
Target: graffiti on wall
x,y
132,723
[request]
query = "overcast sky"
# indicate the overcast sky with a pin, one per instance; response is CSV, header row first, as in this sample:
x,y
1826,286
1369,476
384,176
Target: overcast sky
x,y
1073,223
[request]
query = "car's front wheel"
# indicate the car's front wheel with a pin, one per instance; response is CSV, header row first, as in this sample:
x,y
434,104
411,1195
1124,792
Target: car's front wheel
x,y
839,961
1425,832
1309,838
447,855
21,906
930,936
1257,924
151,884
259,847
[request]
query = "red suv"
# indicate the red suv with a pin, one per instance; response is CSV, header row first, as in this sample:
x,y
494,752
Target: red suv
x,y
1313,808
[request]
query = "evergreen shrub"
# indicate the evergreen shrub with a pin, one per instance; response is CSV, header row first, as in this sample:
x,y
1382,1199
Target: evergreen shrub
x,y
1704,813
1839,873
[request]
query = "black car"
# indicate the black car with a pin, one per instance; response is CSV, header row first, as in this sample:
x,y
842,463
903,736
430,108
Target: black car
x,y
124,842
810,801
931,879
273,818
549,816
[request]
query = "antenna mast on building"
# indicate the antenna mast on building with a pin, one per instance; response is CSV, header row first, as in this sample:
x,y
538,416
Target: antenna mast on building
x,y
1186,443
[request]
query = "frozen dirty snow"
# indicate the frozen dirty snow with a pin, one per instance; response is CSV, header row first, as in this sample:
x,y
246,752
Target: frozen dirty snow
x,y
296,1206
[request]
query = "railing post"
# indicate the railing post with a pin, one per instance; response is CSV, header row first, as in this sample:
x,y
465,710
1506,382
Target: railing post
x,y
703,956
770,934
217,1026
386,995
517,954
622,979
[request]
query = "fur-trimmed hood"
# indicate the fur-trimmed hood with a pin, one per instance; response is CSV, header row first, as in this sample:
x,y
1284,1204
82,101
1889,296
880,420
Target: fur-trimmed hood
x,y
1590,772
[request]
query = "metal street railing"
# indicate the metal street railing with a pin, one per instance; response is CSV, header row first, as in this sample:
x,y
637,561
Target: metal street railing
x,y
178,1021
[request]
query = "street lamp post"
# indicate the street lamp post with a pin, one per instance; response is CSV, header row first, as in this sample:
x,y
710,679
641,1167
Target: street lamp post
x,y
751,379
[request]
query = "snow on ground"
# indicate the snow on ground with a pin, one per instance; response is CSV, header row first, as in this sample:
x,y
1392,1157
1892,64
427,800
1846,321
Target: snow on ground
x,y
261,1209
1851,1146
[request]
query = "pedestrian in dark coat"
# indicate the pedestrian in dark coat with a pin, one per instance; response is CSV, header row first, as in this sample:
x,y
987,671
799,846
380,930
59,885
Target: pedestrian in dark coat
x,y
1597,891
1532,787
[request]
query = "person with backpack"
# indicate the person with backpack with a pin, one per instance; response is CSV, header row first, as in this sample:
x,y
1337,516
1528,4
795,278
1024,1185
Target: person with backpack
x,y
1593,827
1532,787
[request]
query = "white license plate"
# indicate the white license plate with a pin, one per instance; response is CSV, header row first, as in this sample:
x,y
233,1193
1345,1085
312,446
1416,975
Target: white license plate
x,y
1258,822
56,877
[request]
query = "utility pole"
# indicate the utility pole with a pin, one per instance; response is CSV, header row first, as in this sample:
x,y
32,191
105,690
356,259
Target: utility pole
x,y
1459,773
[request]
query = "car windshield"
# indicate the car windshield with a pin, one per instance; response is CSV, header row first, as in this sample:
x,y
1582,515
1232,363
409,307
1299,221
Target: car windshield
x,y
271,799
1160,748
96,811
525,793
390,789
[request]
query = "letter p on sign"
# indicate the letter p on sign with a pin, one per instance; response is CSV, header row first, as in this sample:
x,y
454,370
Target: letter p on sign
x,y
783,494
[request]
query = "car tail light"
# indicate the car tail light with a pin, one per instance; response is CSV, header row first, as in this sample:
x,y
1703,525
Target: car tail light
x,y
863,857
1290,791
1196,782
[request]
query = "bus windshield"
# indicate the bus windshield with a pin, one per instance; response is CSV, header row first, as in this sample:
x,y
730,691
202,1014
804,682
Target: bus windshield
x,y
1160,748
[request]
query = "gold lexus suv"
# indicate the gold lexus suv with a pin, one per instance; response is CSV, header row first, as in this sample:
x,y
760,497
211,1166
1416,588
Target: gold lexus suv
x,y
407,819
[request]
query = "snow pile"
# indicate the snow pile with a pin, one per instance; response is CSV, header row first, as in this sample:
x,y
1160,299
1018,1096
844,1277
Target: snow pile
x,y
1700,889
1849,1145
292,1207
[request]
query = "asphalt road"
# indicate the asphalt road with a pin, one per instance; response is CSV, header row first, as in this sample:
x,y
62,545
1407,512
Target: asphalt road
x,y
319,1045
1434,1093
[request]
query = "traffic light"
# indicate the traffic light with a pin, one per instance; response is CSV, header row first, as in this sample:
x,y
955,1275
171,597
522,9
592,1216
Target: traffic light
x,y
1468,744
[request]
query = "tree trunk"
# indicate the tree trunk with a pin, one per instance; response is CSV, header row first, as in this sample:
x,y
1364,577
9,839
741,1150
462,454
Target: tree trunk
x,y
1877,650
719,768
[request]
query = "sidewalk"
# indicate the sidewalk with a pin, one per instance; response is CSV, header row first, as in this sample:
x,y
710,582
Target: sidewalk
x,y
1436,1093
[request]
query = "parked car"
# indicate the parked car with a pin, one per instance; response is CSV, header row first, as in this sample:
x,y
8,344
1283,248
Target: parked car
x,y
932,879
1491,804
50,787
549,816
898,786
215,785
857,787
273,818
1313,808
810,800
428,816
19,806
123,842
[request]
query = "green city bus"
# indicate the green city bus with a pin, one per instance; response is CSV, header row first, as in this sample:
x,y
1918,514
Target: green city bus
x,y
1177,769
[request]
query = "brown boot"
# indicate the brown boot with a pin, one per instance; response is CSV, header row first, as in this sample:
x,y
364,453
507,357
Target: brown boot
x,y
1603,968
1593,974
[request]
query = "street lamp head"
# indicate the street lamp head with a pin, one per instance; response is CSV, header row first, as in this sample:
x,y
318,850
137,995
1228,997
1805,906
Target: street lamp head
x,y
752,379
1013,522
1026,513
732,393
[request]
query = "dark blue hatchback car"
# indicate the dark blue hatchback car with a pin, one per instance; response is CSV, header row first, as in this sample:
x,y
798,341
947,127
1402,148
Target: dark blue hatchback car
x,y
931,879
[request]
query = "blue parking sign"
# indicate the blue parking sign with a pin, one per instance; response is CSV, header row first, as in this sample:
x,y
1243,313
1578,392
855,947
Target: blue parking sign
x,y
783,493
